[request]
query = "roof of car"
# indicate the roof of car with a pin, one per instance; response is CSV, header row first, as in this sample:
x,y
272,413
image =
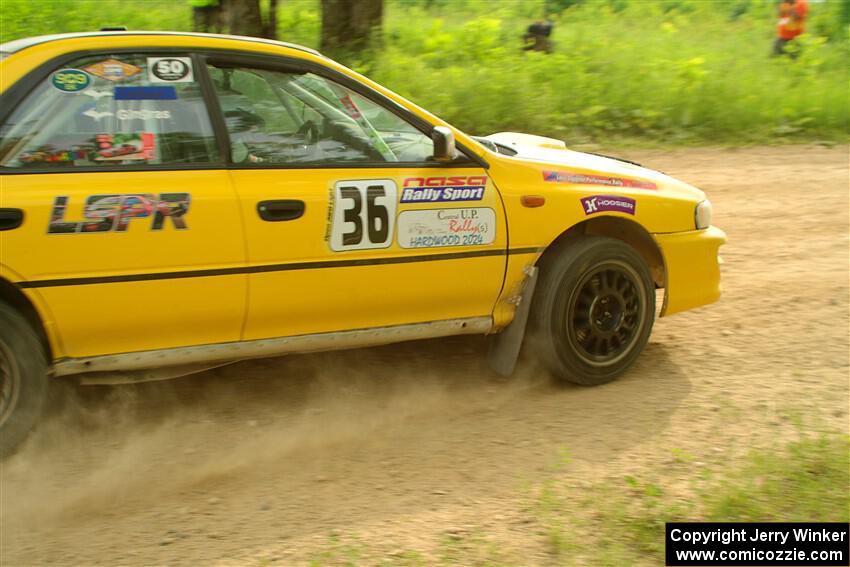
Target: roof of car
x,y
19,44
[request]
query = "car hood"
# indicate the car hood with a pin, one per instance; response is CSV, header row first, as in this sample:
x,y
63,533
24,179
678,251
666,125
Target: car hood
x,y
552,154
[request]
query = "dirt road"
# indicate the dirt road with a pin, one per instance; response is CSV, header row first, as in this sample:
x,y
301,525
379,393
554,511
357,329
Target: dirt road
x,y
259,462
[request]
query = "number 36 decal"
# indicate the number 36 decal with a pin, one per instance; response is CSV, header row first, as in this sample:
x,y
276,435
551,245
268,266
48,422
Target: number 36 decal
x,y
363,214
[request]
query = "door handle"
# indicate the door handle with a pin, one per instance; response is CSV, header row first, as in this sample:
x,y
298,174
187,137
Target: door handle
x,y
11,218
281,210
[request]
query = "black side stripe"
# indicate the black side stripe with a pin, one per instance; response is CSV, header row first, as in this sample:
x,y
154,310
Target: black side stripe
x,y
274,268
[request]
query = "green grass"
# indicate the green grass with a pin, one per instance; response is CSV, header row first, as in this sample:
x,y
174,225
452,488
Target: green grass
x,y
804,480
621,522
24,18
639,73
656,71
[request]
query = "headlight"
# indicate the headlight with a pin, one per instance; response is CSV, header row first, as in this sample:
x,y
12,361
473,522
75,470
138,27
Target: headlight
x,y
702,215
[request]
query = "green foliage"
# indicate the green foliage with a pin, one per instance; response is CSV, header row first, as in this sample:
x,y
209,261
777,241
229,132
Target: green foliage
x,y
803,480
806,480
558,6
809,483
674,71
299,22
832,20
23,18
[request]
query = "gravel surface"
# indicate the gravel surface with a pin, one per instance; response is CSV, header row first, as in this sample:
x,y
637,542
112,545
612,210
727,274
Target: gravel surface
x,y
401,447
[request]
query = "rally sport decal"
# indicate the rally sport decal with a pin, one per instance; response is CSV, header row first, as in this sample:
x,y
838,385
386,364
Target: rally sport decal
x,y
443,189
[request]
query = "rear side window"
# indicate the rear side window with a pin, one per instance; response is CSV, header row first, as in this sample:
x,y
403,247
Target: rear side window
x,y
107,110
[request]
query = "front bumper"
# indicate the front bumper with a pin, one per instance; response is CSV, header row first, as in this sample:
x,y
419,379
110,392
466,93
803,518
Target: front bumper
x,y
692,266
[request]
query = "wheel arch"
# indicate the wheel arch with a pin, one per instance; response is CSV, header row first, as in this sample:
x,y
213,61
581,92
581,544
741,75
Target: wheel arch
x,y
628,231
14,296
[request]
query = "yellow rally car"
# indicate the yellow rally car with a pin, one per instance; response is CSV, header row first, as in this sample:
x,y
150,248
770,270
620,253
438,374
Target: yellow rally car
x,y
174,201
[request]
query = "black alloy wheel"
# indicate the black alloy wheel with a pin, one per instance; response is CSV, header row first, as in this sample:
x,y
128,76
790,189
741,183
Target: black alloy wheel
x,y
592,311
605,313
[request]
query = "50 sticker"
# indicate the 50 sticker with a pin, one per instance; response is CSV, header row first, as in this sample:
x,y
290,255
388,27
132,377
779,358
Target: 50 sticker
x,y
363,214
170,69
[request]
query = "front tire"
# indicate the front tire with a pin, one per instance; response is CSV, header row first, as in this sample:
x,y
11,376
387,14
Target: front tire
x,y
593,310
23,379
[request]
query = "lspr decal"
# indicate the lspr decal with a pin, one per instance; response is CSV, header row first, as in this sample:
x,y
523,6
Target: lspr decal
x,y
113,213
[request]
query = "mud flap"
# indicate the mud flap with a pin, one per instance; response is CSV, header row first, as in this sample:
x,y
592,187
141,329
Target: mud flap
x,y
505,347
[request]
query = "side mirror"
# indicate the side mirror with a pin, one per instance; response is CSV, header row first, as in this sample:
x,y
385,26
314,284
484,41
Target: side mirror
x,y
444,144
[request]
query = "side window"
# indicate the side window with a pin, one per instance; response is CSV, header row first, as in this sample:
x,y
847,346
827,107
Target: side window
x,y
291,118
111,110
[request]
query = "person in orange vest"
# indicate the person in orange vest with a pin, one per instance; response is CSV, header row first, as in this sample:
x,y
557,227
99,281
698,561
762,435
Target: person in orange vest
x,y
792,19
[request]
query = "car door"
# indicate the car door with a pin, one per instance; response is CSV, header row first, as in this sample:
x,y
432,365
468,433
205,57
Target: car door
x,y
131,237
349,223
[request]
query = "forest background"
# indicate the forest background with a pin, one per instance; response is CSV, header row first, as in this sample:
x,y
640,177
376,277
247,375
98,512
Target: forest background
x,y
650,72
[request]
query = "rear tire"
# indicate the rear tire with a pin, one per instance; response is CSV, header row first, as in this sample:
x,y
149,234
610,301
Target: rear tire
x,y
23,379
593,310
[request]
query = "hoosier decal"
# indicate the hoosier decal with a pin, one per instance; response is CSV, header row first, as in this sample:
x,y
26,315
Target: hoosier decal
x,y
600,203
443,189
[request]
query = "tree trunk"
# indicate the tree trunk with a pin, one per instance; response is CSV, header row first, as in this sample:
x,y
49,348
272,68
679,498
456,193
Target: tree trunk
x,y
271,24
242,17
350,25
